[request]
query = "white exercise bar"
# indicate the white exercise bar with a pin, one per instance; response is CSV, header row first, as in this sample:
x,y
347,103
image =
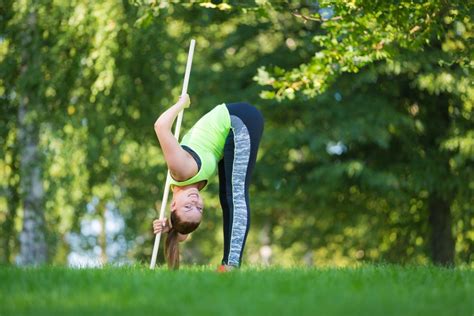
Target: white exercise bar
x,y
164,201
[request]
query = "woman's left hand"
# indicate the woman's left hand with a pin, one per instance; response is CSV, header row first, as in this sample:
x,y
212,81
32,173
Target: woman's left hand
x,y
160,226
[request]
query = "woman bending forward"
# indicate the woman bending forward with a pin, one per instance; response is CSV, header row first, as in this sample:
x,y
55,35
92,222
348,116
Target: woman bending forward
x,y
226,140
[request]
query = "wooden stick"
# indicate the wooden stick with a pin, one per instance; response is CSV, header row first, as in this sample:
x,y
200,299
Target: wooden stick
x,y
177,129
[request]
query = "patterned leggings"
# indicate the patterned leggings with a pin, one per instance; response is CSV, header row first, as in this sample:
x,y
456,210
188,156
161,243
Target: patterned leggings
x,y
235,171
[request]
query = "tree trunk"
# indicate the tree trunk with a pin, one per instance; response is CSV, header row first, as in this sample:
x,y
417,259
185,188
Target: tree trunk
x,y
442,241
33,248
441,195
101,208
32,238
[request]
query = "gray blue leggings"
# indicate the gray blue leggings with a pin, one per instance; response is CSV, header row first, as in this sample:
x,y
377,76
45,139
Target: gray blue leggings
x,y
235,172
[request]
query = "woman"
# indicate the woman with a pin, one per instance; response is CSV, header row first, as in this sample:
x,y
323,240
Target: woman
x,y
225,139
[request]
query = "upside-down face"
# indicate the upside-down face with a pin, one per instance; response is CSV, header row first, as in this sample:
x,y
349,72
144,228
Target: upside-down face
x,y
188,204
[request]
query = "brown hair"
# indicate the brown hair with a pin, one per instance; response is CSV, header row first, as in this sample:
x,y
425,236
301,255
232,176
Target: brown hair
x,y
172,243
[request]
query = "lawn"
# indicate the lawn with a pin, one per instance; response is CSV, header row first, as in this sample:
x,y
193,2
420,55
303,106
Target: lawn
x,y
367,290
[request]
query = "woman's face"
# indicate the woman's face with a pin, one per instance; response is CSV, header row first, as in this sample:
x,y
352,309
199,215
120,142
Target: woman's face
x,y
189,204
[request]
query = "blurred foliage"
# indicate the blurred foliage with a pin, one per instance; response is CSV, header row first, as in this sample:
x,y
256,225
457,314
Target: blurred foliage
x,y
368,109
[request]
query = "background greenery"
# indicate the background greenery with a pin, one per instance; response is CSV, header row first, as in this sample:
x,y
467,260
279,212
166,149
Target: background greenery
x,y
368,150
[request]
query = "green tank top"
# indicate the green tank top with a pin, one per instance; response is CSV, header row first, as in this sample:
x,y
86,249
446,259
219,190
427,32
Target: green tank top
x,y
207,139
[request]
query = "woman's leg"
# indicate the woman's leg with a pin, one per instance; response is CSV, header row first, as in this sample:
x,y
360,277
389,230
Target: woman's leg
x,y
226,209
235,171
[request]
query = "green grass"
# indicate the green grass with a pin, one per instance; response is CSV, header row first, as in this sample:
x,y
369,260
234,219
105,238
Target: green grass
x,y
368,290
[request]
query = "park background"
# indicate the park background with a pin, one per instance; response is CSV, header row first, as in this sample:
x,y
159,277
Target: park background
x,y
367,154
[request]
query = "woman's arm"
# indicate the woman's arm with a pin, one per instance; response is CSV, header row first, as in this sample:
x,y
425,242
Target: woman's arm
x,y
180,163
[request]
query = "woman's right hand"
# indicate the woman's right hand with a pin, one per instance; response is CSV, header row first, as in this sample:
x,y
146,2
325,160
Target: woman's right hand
x,y
166,119
160,226
184,100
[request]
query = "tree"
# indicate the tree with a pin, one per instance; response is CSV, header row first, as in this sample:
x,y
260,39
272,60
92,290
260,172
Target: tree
x,y
424,48
32,238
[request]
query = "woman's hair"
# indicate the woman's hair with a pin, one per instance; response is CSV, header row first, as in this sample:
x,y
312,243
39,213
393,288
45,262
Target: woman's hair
x,y
172,242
